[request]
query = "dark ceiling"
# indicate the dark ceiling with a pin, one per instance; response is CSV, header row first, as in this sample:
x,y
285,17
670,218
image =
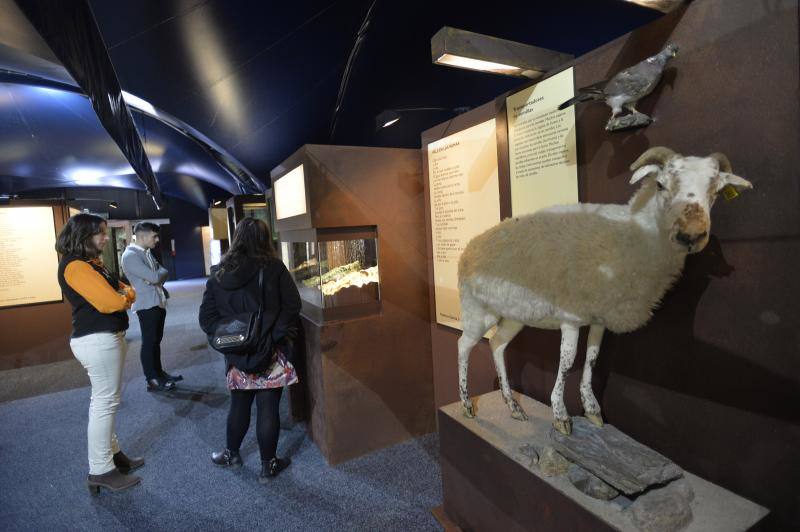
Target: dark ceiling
x,y
261,78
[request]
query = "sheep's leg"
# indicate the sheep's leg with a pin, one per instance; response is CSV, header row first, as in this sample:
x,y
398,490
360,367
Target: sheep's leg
x,y
506,331
475,321
591,408
465,345
569,346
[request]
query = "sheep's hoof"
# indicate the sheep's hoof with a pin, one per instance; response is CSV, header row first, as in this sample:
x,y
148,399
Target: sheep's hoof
x,y
595,419
469,410
563,426
517,412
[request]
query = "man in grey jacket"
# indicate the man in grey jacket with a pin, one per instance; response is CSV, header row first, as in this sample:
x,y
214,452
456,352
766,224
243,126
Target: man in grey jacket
x,y
147,277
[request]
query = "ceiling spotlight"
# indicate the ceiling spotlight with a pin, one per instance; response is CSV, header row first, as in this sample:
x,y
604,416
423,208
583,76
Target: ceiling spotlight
x,y
388,117
474,51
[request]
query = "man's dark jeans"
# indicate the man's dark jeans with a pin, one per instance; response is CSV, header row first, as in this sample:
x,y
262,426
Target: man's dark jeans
x,y
151,322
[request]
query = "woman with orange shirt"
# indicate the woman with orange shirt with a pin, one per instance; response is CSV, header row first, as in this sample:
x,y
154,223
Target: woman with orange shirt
x,y
99,321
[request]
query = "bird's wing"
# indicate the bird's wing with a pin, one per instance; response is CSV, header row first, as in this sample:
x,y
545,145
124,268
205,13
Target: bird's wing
x,y
634,81
594,88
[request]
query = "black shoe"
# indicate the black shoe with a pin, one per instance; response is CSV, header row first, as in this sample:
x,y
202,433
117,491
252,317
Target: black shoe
x,y
227,458
173,378
126,464
113,480
160,385
272,467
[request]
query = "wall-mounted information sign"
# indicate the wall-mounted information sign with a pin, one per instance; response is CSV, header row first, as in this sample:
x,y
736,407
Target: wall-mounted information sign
x,y
465,201
28,259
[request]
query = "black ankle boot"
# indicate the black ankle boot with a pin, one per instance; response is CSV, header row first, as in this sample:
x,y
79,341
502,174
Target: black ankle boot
x,y
126,464
227,458
271,468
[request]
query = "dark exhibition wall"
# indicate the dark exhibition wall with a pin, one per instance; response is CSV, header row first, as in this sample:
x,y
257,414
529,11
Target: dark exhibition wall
x,y
25,341
712,380
186,223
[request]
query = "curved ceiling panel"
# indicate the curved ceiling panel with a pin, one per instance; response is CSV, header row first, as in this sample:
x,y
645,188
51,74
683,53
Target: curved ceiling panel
x,y
234,68
52,138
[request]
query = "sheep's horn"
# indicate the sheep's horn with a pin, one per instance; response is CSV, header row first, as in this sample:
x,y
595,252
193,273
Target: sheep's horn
x,y
724,163
656,155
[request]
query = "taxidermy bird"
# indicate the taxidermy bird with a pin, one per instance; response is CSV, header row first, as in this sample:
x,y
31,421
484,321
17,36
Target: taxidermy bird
x,y
626,88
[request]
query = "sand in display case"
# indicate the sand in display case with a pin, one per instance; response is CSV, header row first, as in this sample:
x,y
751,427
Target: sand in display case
x,y
335,270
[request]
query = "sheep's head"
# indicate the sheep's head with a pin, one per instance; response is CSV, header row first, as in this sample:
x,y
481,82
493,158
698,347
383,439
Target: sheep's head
x,y
685,189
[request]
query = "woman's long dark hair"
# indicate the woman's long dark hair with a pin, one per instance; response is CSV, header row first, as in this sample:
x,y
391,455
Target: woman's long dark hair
x,y
74,238
252,243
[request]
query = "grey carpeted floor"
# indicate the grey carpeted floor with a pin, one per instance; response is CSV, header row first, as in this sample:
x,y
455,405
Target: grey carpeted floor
x,y
43,457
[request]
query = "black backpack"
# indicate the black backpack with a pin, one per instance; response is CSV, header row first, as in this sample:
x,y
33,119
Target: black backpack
x,y
242,338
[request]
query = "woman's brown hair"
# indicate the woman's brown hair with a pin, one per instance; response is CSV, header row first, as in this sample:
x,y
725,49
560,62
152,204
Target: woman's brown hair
x,y
252,243
74,238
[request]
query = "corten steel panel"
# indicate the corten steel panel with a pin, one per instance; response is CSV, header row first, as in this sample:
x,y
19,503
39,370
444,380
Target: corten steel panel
x,y
483,489
714,379
374,373
313,384
36,334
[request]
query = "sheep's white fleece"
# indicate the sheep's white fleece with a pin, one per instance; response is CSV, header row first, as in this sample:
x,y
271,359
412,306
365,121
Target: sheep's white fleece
x,y
581,264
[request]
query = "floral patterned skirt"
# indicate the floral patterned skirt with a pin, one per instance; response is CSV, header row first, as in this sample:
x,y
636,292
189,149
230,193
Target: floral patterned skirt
x,y
280,373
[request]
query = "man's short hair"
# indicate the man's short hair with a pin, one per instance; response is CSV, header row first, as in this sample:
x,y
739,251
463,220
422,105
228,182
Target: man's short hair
x,y
146,227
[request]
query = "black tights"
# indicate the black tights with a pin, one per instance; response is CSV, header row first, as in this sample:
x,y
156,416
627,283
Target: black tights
x,y
268,422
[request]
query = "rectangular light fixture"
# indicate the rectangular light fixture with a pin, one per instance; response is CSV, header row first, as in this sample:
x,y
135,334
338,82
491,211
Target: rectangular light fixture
x,y
665,6
478,64
474,51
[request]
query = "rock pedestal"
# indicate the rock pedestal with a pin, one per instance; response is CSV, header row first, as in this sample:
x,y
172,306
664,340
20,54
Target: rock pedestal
x,y
493,478
614,457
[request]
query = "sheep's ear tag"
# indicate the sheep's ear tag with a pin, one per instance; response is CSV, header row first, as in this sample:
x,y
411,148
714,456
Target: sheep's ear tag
x,y
729,192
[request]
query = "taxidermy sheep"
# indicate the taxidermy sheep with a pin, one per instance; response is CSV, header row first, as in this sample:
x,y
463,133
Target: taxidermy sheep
x,y
604,266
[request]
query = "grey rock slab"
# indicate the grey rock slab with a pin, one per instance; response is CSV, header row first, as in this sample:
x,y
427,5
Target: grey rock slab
x,y
682,488
551,463
661,510
530,455
615,457
628,122
590,484
620,502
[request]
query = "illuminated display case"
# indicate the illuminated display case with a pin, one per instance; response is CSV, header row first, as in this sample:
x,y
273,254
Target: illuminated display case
x,y
335,270
351,223
248,206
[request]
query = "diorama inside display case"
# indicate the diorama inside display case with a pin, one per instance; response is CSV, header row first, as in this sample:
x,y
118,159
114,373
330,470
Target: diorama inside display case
x,y
335,270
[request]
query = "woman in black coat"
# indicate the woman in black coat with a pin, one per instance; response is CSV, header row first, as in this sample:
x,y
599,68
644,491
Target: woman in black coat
x,y
232,289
